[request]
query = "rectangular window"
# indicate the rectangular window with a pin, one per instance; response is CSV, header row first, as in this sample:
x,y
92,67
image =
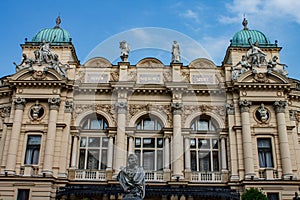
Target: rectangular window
x,y
265,156
33,149
23,194
273,195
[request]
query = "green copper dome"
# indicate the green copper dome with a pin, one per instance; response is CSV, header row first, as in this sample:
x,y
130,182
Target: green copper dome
x,y
54,35
240,39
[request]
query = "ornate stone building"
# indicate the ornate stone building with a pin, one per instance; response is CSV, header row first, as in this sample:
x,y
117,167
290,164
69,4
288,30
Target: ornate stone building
x,y
200,131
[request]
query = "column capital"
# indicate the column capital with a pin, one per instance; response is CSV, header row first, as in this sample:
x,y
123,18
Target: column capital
x,y
176,108
19,103
279,106
121,107
130,134
69,106
245,105
230,109
54,103
293,115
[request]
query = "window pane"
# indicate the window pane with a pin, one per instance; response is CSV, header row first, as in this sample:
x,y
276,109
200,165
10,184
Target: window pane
x,y
265,156
83,142
204,161
193,161
94,142
95,124
215,144
148,124
139,126
148,159
273,196
193,143
103,159
159,160
212,127
105,125
215,161
159,143
81,159
93,159
104,142
34,140
264,143
158,126
193,126
203,125
86,124
32,149
137,142
203,144
138,154
148,142
23,194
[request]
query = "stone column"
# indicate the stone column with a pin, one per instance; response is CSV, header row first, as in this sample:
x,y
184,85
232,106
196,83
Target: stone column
x,y
14,138
223,153
65,139
234,175
177,143
187,170
51,133
130,135
121,149
110,155
294,118
283,139
247,139
74,152
5,117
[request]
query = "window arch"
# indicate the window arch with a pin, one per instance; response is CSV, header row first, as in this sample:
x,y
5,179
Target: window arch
x,y
204,145
93,143
149,143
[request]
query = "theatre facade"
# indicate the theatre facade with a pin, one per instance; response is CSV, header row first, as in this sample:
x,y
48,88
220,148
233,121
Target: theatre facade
x,y
200,131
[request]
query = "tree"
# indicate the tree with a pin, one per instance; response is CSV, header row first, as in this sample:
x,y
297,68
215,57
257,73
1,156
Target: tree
x,y
253,194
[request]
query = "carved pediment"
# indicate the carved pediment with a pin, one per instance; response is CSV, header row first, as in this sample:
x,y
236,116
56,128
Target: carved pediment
x,y
39,75
149,63
98,62
202,63
271,77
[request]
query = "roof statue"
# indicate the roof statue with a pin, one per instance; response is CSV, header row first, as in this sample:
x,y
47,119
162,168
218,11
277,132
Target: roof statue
x,y
240,68
125,48
245,23
175,52
58,21
255,55
272,66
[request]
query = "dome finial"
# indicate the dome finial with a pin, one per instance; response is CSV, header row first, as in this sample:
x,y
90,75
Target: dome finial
x,y
58,21
245,23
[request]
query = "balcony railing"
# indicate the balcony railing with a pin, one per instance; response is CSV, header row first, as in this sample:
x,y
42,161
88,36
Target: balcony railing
x,y
90,175
206,177
268,173
153,176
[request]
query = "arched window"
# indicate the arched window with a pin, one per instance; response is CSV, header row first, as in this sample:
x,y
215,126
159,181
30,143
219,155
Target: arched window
x,y
93,143
204,145
148,144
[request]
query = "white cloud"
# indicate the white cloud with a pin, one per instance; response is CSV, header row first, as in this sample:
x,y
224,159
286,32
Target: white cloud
x,y
262,11
190,15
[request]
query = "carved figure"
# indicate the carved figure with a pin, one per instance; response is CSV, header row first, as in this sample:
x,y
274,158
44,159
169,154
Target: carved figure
x,y
263,113
36,111
255,54
236,70
132,179
296,196
44,54
124,46
175,52
272,66
28,63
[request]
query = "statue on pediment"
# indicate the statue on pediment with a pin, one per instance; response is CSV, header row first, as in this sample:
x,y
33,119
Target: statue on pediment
x,y
272,66
125,49
175,52
25,63
255,55
240,68
44,54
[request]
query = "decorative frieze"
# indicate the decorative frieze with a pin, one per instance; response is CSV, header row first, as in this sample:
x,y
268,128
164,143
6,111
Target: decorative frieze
x,y
245,105
19,103
279,106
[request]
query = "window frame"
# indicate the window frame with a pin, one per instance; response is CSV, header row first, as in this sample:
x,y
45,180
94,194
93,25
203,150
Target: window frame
x,y
271,151
34,148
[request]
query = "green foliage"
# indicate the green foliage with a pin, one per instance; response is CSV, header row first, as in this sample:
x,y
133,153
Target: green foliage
x,y
253,194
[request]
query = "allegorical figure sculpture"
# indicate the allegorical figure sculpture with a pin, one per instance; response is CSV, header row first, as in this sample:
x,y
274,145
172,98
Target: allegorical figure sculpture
x,y
132,179
263,113
272,66
44,54
124,46
255,54
175,52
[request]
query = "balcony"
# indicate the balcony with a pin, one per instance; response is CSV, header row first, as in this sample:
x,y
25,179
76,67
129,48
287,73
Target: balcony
x,y
268,174
154,176
29,170
90,175
207,177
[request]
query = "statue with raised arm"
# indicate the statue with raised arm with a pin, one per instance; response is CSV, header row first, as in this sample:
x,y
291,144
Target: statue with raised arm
x,y
124,46
44,54
241,67
132,179
175,52
255,54
272,66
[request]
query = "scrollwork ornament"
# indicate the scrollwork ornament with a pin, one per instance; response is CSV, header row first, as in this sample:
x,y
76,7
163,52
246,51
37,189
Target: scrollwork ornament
x,y
54,103
279,106
19,103
245,105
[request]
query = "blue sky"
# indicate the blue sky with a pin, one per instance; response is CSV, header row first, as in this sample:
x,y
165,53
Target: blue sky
x,y
211,24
